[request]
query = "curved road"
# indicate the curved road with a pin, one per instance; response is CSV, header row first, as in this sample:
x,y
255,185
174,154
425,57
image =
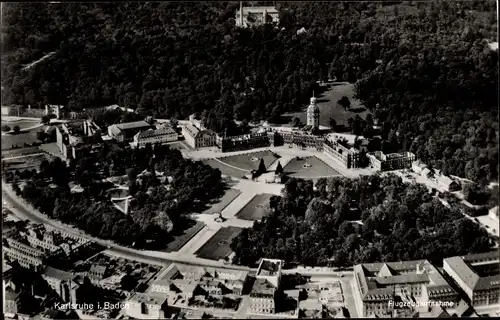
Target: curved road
x,y
24,211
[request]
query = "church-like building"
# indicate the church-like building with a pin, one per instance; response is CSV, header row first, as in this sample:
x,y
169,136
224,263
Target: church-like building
x,y
313,115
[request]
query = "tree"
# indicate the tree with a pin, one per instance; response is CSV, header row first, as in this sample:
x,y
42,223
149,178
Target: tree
x,y
262,167
40,135
5,128
296,122
17,129
45,119
174,122
279,169
344,102
332,123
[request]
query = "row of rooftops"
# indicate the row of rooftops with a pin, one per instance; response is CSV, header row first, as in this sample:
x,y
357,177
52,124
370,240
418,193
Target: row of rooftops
x,y
464,267
376,281
156,132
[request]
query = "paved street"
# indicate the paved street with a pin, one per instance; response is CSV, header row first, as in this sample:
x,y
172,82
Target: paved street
x,y
24,211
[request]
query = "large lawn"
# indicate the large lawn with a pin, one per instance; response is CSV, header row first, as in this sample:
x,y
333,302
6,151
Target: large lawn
x,y
23,124
250,161
181,237
327,104
309,167
26,163
225,169
256,209
218,247
11,140
223,202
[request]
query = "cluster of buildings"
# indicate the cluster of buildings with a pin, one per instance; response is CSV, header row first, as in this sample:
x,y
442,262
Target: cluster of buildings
x,y
74,139
310,136
391,161
256,16
41,246
264,293
418,287
179,285
142,132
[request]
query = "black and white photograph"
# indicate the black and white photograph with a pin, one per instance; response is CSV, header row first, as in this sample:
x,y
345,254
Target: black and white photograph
x,y
250,159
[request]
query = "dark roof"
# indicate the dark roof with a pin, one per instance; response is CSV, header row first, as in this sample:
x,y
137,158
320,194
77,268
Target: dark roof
x,y
133,125
466,272
98,269
11,295
155,133
262,286
57,274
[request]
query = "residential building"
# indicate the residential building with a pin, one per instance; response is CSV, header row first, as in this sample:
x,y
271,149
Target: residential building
x,y
62,282
11,304
125,132
39,236
392,161
265,288
97,273
211,287
33,258
255,16
197,138
74,139
152,136
378,284
341,151
147,306
183,280
477,275
263,297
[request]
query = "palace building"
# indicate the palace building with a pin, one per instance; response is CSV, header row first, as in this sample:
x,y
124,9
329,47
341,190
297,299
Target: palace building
x,y
379,285
392,161
341,151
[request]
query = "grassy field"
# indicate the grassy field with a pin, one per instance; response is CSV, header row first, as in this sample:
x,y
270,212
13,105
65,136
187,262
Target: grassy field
x,y
10,140
245,161
223,202
27,163
20,152
183,237
256,209
327,104
23,124
317,169
177,145
218,247
225,169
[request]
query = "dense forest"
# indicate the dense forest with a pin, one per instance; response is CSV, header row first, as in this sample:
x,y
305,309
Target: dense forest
x,y
423,68
350,221
158,206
